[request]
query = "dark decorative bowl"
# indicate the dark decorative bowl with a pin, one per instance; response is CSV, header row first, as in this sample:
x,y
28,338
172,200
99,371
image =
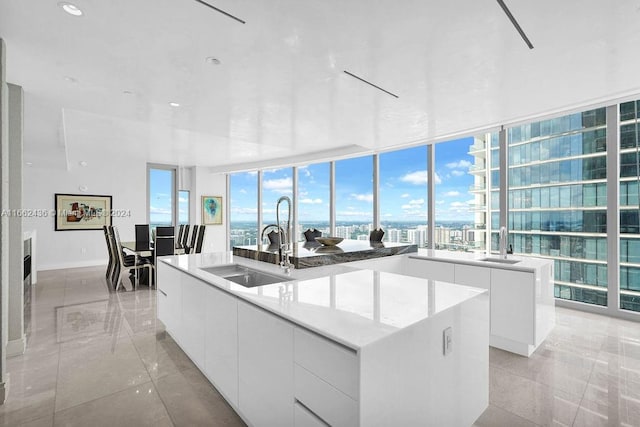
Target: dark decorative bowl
x,y
329,241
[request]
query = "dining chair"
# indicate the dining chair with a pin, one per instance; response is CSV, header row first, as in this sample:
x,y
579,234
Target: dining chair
x,y
142,237
179,238
200,239
185,236
105,228
376,235
163,245
128,262
193,238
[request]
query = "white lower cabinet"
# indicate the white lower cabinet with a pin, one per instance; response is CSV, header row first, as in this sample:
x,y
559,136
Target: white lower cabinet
x,y
428,269
470,275
193,317
265,367
304,418
513,305
221,342
170,298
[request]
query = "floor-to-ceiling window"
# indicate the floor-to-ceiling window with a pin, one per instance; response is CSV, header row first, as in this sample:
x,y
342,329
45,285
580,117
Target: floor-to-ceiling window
x,y
276,183
161,184
243,215
558,200
403,195
183,207
313,198
354,197
455,203
630,206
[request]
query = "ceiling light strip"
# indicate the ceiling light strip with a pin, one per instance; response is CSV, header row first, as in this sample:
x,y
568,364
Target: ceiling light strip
x,y
515,23
370,84
221,11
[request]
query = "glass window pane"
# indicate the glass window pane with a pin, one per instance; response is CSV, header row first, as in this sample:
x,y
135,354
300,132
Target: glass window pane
x,y
313,199
243,215
161,188
354,196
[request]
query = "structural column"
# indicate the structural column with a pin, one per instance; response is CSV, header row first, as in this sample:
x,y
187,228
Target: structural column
x,y
16,337
4,221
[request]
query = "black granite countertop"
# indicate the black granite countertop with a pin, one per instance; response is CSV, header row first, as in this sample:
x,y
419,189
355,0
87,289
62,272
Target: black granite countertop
x,y
313,254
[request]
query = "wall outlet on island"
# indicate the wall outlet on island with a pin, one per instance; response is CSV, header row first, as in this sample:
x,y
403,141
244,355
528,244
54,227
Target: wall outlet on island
x,y
447,341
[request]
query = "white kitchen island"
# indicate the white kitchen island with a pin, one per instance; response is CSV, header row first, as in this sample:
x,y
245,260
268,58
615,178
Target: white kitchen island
x,y
521,290
336,345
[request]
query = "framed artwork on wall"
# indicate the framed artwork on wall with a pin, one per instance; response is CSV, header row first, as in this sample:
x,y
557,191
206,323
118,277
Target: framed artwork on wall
x,y
82,212
212,210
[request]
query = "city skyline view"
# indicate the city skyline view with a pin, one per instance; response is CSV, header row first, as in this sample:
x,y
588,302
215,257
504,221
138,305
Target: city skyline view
x,y
403,186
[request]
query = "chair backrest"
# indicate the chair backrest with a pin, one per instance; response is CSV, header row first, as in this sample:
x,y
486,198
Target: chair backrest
x,y
376,235
200,240
165,232
194,236
164,245
107,237
142,237
185,236
117,244
180,233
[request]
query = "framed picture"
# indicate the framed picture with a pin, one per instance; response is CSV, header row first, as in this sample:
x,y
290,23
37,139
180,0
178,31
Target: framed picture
x,y
212,210
82,212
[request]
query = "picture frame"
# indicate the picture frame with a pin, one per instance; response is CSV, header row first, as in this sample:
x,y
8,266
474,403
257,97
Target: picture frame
x,y
212,210
82,212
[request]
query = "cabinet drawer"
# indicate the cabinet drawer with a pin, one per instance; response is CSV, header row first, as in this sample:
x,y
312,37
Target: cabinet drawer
x,y
330,404
333,363
303,418
428,269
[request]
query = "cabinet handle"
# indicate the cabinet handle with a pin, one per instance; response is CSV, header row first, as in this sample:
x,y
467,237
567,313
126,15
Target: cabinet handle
x,y
162,292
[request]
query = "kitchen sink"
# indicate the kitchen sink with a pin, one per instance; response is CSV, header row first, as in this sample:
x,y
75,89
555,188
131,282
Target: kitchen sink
x,y
245,276
500,260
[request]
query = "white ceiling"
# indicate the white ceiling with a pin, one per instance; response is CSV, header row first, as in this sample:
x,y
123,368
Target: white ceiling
x,y
280,91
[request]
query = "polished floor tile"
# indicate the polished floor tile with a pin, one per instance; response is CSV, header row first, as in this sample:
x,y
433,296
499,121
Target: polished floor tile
x,y
99,358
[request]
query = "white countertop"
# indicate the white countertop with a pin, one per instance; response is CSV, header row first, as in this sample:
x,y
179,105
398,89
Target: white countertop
x,y
352,306
528,264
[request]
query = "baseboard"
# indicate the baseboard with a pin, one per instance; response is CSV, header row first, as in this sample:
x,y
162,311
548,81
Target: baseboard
x,y
16,347
73,264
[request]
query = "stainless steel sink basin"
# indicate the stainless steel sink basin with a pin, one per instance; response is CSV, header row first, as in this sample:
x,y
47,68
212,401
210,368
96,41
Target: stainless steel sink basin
x,y
245,276
500,260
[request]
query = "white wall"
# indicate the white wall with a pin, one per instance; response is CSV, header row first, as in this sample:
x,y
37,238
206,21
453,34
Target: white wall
x,y
210,184
121,177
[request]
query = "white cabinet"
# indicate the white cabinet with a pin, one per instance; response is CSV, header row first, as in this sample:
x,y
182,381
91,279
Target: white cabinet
x,y
304,418
265,367
513,305
428,269
170,298
326,378
221,342
471,275
193,318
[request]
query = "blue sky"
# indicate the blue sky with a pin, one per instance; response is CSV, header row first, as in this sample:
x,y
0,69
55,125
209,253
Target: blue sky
x,y
402,187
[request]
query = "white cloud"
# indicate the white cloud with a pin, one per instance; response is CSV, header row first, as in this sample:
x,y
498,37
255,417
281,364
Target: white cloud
x,y
244,211
439,202
163,211
279,184
462,164
457,173
452,193
353,213
243,191
183,199
405,196
311,201
416,202
416,178
458,204
362,197
253,173
419,178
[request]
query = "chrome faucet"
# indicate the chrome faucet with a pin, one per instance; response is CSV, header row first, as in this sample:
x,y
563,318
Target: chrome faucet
x,y
503,242
286,246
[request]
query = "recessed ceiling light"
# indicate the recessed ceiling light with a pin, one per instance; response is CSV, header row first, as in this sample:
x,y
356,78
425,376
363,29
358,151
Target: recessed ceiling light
x,y
28,163
213,61
82,163
71,79
127,92
70,8
174,104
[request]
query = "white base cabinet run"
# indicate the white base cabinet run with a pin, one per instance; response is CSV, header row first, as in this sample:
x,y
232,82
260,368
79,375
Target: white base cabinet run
x,y
274,372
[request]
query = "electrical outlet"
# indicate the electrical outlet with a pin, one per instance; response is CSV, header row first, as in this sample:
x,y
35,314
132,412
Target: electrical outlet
x,y
447,341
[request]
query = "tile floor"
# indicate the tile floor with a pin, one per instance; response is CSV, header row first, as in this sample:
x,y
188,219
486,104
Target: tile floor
x,y
101,358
